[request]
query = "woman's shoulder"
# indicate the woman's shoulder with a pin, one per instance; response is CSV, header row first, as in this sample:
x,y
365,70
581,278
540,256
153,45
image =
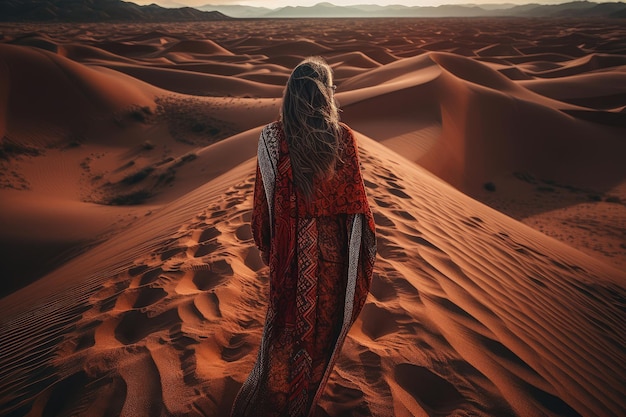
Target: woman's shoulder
x,y
345,129
273,126
347,135
272,131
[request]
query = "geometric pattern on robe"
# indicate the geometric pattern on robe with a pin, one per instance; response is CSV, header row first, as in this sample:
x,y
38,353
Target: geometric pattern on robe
x,y
321,253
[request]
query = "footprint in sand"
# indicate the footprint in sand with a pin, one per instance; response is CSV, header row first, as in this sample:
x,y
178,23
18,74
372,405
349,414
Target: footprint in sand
x,y
372,367
140,297
378,321
70,396
136,270
404,214
428,389
244,232
253,259
237,348
421,241
135,325
369,184
474,222
212,275
171,252
343,399
382,203
208,234
208,304
382,221
206,248
105,299
382,287
207,241
387,249
399,193
150,276
391,181
393,184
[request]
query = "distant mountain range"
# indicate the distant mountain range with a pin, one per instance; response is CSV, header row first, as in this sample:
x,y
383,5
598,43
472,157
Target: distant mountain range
x,y
98,11
117,10
581,9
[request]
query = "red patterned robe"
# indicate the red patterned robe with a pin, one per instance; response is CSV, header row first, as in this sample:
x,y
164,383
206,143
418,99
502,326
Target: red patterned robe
x,y
321,256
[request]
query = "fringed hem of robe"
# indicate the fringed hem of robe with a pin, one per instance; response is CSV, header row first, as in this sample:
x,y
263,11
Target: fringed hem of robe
x,y
299,345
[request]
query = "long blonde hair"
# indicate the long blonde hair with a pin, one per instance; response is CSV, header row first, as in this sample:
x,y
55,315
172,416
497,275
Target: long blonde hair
x,y
311,122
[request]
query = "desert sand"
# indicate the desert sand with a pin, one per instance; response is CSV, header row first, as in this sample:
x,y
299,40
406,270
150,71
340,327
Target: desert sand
x,y
494,156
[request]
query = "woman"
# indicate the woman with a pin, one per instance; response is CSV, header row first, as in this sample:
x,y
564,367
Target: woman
x,y
314,228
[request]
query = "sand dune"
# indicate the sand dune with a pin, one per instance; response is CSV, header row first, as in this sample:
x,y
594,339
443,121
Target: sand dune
x,y
203,47
492,152
195,83
35,79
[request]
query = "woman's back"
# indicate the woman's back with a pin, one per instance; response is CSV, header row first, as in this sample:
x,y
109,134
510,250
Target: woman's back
x,y
312,224
340,191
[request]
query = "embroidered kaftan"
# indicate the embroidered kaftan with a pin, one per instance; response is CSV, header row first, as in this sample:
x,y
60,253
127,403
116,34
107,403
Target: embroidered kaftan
x,y
321,254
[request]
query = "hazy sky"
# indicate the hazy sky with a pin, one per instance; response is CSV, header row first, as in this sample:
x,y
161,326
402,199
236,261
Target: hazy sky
x,y
280,3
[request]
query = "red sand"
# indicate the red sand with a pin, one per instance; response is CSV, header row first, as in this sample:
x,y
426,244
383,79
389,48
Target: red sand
x,y
130,282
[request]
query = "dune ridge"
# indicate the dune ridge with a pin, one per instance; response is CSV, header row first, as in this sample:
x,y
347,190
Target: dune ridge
x,y
492,155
